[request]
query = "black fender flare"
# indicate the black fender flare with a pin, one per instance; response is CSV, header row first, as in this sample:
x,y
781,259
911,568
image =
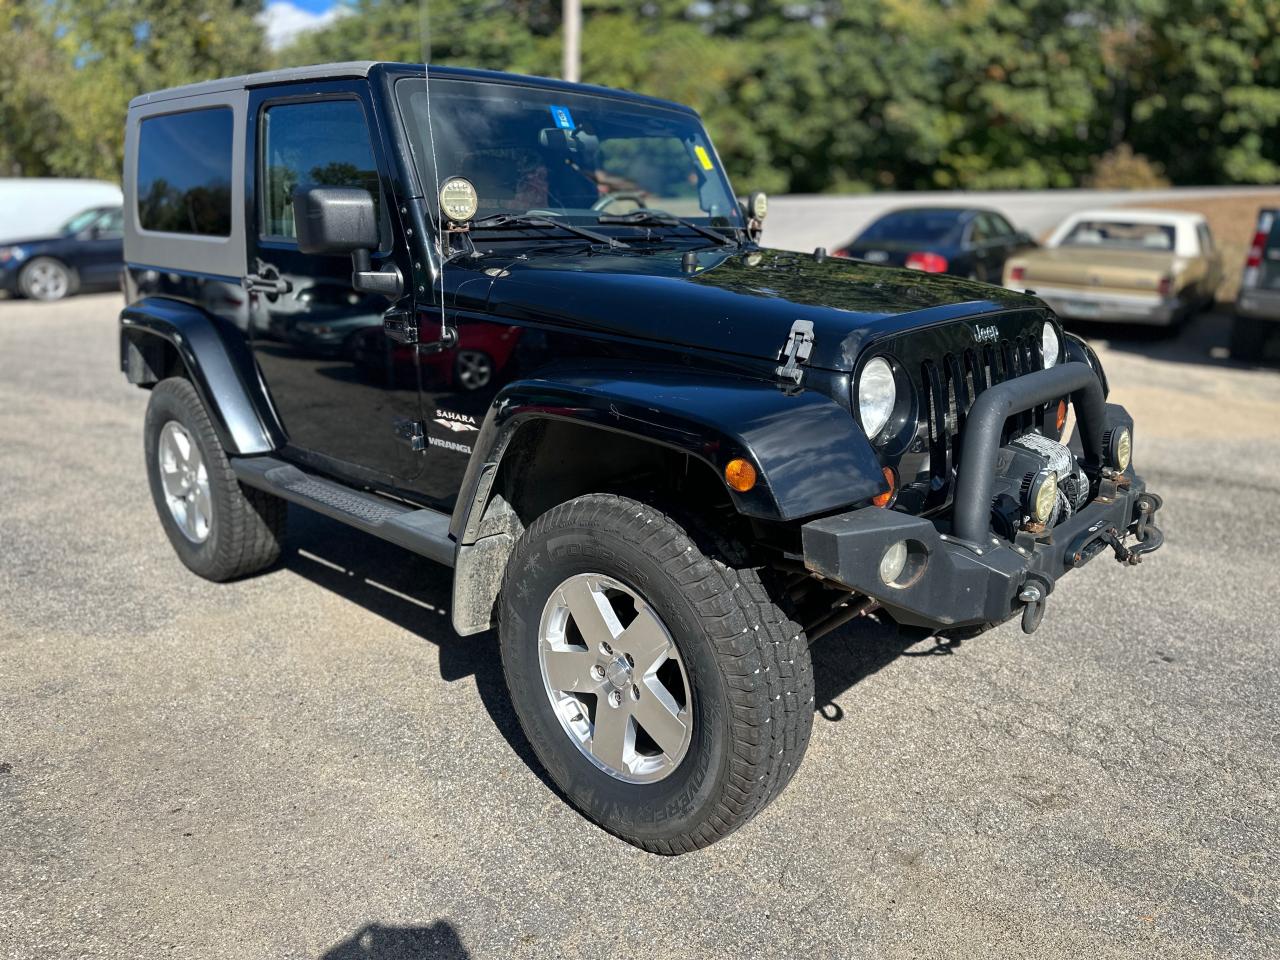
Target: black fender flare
x,y
218,362
1078,350
810,454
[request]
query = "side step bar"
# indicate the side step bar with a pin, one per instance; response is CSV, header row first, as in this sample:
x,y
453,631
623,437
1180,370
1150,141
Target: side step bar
x,y
418,529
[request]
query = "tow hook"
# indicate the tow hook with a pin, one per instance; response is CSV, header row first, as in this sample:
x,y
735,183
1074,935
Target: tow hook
x,y
1149,536
1034,594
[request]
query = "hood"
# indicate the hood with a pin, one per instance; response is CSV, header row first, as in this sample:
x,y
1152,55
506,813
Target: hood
x,y
737,301
32,241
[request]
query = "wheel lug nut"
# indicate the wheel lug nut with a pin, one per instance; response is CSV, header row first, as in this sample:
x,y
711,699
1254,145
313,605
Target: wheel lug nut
x,y
598,672
615,699
635,692
606,648
631,661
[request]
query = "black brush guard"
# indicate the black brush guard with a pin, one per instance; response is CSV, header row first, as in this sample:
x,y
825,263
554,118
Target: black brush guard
x,y
961,574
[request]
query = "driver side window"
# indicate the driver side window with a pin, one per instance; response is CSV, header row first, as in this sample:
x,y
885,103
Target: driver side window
x,y
324,143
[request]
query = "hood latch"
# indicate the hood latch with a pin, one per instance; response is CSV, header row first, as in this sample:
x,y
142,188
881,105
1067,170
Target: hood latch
x,y
796,351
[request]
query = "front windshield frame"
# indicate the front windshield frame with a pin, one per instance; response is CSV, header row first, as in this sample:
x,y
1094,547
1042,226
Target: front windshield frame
x,y
583,108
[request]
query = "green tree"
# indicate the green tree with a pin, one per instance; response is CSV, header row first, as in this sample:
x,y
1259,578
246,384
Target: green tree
x,y
101,54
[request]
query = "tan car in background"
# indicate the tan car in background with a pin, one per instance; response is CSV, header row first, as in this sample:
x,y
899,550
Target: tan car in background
x,y
1136,266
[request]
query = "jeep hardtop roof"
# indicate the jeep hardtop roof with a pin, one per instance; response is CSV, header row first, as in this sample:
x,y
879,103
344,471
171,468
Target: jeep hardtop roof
x,y
364,68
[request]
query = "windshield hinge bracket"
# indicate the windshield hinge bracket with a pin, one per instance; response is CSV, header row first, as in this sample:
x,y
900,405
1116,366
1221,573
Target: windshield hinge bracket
x,y
796,351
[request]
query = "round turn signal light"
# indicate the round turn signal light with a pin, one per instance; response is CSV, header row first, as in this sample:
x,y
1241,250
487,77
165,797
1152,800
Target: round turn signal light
x,y
1060,420
740,475
884,499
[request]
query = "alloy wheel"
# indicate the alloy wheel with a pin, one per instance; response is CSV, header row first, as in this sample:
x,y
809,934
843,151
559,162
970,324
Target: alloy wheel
x,y
614,678
186,482
46,280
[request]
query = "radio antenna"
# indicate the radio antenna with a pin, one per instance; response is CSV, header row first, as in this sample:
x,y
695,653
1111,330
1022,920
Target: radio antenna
x,y
434,215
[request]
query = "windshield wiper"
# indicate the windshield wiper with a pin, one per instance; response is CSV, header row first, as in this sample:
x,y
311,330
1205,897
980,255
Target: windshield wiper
x,y
503,220
654,218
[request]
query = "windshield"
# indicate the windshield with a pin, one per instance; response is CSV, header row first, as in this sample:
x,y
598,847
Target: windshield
x,y
1156,237
931,226
554,153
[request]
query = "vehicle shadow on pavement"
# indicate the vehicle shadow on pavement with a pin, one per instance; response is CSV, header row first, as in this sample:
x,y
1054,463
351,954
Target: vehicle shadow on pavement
x,y
412,593
439,941
1202,340
845,657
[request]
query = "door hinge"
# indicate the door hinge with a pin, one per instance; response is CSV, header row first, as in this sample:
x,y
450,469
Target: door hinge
x,y
400,326
796,351
414,433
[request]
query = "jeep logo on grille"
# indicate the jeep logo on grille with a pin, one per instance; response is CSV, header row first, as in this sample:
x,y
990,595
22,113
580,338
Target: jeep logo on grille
x,y
988,334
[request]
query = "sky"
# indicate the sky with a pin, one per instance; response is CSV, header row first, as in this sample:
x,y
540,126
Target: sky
x,y
285,19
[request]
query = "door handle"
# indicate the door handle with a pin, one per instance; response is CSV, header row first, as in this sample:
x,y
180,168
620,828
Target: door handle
x,y
267,280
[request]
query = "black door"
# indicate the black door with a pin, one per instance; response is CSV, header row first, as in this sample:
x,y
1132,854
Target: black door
x,y
346,394
100,256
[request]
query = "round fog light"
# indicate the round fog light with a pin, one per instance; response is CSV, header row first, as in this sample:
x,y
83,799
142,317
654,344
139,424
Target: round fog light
x,y
893,562
1120,448
1042,495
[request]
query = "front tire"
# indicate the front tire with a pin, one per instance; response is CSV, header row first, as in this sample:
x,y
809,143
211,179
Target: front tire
x,y
47,279
664,692
220,529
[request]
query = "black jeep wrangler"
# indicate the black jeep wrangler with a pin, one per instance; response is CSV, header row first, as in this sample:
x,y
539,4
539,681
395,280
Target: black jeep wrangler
x,y
524,328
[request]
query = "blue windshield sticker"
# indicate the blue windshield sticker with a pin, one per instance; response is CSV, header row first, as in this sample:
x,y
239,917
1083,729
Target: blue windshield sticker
x,y
562,117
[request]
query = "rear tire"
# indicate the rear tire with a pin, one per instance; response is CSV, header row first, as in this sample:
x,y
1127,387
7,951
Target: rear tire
x,y
743,667
220,529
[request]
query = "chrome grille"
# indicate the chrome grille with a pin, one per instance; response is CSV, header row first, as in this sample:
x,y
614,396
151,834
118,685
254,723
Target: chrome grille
x,y
954,381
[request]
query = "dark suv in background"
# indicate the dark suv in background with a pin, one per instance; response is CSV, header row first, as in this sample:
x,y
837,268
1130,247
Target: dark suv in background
x,y
1257,319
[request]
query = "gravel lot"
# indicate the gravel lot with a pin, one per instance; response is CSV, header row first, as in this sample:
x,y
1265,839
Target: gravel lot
x,y
310,763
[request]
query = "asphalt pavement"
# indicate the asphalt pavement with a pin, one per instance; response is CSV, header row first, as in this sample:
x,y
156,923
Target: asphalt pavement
x,y
310,763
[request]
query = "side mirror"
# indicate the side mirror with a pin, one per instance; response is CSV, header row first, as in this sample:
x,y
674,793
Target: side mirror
x,y
337,220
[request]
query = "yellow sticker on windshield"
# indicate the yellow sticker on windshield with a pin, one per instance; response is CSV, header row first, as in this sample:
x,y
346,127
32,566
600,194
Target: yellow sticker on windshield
x,y
703,157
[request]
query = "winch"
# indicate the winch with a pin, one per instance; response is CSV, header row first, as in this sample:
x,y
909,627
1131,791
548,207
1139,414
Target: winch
x,y
1039,484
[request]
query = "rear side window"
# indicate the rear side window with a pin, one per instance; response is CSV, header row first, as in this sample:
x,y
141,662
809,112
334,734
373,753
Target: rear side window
x,y
184,173
322,144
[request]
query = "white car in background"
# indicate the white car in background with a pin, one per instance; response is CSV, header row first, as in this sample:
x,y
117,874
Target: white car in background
x,y
1139,266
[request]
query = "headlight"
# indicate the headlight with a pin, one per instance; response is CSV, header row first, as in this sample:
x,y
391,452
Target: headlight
x,y
1119,447
1050,344
1042,495
877,395
14,254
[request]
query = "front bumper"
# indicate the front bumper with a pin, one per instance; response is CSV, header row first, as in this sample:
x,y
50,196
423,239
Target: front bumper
x,y
958,572
959,584
9,275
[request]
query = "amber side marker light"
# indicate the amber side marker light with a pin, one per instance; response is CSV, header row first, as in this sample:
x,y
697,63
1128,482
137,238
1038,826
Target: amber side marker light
x,y
740,475
884,499
1061,418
